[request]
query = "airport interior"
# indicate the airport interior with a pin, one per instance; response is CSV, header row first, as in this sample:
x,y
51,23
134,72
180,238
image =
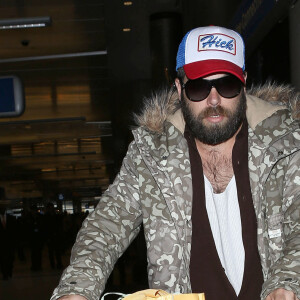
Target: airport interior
x,y
78,71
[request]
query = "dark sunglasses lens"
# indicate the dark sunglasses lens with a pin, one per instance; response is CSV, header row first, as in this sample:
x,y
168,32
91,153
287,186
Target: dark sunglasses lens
x,y
197,90
229,86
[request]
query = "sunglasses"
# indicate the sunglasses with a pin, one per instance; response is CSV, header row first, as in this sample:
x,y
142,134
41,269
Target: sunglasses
x,y
199,89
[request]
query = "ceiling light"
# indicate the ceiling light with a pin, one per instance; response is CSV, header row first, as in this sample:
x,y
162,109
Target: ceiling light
x,y
25,22
48,170
126,29
127,3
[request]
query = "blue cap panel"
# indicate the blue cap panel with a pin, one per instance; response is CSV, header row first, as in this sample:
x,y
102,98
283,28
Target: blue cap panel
x,y
180,59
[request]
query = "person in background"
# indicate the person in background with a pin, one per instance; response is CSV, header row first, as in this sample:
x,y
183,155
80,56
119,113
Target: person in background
x,y
7,239
37,236
54,235
213,176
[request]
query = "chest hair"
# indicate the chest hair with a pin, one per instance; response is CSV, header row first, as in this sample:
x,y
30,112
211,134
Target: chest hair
x,y
218,169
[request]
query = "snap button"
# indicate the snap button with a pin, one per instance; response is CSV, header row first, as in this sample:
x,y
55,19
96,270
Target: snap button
x,y
288,279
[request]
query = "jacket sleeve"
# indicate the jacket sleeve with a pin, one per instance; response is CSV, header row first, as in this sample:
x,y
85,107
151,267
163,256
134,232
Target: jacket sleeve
x,y
285,272
104,235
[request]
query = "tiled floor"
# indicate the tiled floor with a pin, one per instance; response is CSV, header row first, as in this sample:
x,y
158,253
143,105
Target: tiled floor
x,y
129,276
28,285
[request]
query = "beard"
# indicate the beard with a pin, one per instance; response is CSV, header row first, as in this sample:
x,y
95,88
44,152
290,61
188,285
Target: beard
x,y
215,134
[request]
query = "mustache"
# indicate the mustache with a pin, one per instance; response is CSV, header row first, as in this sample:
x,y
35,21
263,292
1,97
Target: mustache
x,y
213,111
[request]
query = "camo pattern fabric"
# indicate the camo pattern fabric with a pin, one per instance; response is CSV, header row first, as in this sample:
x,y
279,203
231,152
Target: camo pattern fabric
x,y
274,159
154,187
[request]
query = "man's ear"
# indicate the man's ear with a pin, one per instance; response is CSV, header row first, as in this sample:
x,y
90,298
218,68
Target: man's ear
x,y
245,76
178,87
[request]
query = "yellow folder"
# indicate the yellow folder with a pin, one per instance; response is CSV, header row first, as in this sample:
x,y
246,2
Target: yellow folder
x,y
152,294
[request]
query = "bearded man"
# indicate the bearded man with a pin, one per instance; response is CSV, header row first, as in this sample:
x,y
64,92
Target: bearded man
x,y
213,176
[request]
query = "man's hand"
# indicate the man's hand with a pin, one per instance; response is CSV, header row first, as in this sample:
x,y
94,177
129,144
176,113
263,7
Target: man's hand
x,y
281,294
72,297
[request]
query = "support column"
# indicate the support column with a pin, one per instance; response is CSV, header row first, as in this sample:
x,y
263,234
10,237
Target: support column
x,y
165,36
295,44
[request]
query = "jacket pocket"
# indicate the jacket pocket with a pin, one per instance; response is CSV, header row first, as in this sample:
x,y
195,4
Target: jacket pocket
x,y
276,238
161,235
164,254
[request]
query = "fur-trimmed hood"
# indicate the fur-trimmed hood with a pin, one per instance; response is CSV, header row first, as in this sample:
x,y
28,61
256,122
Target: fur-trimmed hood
x,y
262,101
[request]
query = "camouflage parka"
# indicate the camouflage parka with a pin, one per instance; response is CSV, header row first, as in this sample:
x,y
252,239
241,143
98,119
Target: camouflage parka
x,y
154,187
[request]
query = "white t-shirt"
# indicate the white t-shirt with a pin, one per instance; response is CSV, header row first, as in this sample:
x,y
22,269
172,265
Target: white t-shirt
x,y
225,221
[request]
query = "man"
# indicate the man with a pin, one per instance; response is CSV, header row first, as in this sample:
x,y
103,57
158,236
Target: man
x,y
215,184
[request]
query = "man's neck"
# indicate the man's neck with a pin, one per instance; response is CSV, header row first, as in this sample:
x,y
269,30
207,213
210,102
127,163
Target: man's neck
x,y
217,162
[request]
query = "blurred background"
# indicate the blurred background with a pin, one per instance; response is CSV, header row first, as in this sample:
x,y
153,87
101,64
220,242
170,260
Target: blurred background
x,y
83,68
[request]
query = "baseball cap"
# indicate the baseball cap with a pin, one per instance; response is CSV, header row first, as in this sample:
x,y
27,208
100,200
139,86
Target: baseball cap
x,y
208,50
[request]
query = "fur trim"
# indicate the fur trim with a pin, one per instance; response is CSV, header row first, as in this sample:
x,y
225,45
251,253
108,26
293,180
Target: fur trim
x,y
157,108
280,95
165,102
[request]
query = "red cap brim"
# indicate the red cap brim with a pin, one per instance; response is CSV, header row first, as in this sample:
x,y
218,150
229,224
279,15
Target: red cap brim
x,y
212,66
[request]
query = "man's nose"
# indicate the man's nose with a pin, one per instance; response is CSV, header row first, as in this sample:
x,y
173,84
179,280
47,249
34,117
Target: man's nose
x,y
214,98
